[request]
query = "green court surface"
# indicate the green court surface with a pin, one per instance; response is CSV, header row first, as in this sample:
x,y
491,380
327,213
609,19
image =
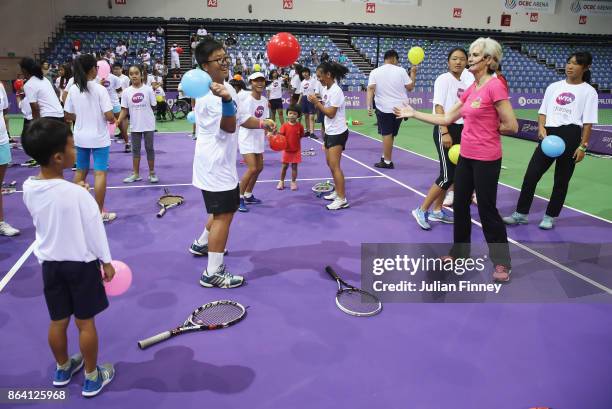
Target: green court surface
x,y
590,189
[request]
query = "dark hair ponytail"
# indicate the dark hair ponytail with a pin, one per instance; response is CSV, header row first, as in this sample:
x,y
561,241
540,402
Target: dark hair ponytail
x,y
31,67
66,77
585,59
337,71
82,65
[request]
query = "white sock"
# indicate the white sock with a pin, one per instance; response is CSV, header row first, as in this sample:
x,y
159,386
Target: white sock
x,y
248,194
64,367
214,261
92,376
241,196
203,240
388,162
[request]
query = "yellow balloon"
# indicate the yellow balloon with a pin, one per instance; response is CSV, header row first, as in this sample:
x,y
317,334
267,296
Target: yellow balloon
x,y
453,153
257,68
159,98
416,55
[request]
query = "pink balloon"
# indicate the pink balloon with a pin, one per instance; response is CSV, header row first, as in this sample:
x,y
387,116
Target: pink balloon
x,y
121,281
103,69
111,129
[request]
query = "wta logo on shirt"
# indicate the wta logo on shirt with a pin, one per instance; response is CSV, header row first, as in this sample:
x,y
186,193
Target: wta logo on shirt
x,y
565,98
138,98
460,92
106,83
259,111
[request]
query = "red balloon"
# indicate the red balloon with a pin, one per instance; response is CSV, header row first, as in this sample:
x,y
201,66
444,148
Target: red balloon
x,y
179,50
283,49
18,85
278,142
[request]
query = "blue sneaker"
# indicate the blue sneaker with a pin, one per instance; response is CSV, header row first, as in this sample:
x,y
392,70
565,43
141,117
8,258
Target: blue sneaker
x,y
106,373
242,207
252,200
221,279
440,216
63,377
515,218
421,218
197,250
547,222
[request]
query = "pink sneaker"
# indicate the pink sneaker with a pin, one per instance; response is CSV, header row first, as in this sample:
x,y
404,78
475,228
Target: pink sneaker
x,y
501,273
293,186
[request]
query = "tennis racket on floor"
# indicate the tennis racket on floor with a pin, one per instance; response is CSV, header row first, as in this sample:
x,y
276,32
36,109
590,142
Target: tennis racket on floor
x,y
214,315
168,201
323,187
8,188
352,300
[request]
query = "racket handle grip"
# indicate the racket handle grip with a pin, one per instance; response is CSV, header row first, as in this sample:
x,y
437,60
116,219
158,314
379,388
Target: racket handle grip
x,y
161,212
332,272
145,343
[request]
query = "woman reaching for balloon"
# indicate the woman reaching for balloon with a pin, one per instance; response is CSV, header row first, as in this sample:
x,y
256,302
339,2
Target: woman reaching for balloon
x,y
569,110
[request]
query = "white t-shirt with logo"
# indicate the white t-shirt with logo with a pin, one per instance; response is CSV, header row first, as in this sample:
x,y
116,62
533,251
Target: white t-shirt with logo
x,y
566,104
90,128
308,87
447,90
4,138
112,83
139,101
42,92
120,50
334,97
390,81
295,84
124,80
275,89
214,162
252,140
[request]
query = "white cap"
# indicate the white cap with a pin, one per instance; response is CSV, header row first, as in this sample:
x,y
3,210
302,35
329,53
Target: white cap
x,y
256,75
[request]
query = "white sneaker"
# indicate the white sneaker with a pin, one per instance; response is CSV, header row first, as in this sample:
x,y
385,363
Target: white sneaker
x,y
8,230
132,178
153,178
448,200
108,216
332,196
338,204
474,201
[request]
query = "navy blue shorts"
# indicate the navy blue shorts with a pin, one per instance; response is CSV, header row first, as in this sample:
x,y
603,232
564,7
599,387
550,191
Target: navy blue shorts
x,y
388,124
307,106
73,288
276,103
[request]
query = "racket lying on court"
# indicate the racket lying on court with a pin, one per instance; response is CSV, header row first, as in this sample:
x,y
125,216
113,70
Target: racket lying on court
x,y
168,201
323,187
352,300
214,315
8,188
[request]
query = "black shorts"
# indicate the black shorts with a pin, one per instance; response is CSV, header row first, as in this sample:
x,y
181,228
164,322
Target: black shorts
x,y
222,202
388,124
61,119
276,103
26,124
73,288
447,168
335,140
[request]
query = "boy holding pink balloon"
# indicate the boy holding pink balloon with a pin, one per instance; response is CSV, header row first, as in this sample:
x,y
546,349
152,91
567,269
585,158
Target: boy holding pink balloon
x,y
70,250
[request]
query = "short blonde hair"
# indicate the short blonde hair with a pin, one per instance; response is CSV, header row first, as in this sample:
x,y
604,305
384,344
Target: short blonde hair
x,y
489,48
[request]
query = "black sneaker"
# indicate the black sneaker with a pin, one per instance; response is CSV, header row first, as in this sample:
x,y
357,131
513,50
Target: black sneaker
x,y
313,136
198,250
128,148
384,165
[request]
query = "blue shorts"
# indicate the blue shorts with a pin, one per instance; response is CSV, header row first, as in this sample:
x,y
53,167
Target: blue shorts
x,y
5,154
307,106
116,109
100,158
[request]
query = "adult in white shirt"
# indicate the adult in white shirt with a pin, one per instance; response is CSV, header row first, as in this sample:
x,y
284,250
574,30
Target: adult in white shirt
x,y
124,81
146,57
214,166
202,32
251,142
5,158
308,86
448,87
40,92
89,106
333,106
175,61
138,102
387,87
568,110
121,50
275,96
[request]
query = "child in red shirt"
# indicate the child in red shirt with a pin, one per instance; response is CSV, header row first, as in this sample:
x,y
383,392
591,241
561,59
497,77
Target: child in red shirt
x,y
293,131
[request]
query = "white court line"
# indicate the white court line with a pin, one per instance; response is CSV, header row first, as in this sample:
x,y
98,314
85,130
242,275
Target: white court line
x,y
510,240
503,184
30,249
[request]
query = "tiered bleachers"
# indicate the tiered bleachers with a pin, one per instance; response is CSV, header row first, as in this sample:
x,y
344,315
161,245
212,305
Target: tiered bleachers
x,y
556,54
92,42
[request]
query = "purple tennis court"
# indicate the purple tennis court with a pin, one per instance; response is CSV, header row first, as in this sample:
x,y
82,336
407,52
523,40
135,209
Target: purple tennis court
x,y
295,349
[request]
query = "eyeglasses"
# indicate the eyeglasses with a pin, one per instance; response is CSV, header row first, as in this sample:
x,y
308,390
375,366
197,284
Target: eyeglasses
x,y
225,60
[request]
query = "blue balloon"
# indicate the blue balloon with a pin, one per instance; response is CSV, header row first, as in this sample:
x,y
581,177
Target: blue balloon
x,y
196,83
553,146
191,117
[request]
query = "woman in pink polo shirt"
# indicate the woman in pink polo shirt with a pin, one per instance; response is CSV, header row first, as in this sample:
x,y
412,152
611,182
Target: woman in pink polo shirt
x,y
487,113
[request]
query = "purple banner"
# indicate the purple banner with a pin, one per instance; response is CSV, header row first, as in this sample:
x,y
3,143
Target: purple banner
x,y
600,141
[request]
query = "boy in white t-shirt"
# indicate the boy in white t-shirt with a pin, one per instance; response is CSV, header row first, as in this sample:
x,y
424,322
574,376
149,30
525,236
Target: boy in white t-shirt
x,y
5,158
70,250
